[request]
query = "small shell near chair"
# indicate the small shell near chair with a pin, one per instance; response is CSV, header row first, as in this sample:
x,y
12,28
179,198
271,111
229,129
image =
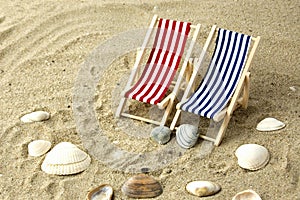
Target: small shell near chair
x,y
202,188
64,159
36,116
187,135
102,192
161,134
38,147
270,124
252,156
246,195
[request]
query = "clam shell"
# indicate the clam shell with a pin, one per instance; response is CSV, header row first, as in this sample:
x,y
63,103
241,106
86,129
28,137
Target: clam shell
x,y
202,188
270,124
161,134
38,147
252,156
102,192
187,135
142,186
36,116
65,158
246,195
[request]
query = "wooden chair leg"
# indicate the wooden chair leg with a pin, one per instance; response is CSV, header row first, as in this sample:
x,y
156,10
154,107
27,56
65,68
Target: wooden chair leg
x,y
139,51
243,101
121,107
167,112
175,119
221,132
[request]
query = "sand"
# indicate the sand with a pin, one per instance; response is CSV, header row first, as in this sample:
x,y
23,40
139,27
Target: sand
x,y
43,47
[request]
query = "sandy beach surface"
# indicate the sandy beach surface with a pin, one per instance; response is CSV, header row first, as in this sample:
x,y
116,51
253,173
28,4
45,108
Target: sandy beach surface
x,y
45,44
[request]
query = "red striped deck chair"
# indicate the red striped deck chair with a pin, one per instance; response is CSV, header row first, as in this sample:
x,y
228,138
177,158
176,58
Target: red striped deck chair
x,y
219,92
163,63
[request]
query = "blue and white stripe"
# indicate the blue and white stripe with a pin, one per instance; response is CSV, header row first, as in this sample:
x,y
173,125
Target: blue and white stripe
x,y
222,76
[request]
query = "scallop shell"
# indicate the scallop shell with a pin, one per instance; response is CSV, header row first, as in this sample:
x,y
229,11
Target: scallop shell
x,y
202,188
142,186
102,192
161,134
270,124
65,158
246,195
36,116
187,135
252,156
38,147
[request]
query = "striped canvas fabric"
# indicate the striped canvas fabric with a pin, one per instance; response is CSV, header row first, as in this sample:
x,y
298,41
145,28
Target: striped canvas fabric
x,y
163,62
222,76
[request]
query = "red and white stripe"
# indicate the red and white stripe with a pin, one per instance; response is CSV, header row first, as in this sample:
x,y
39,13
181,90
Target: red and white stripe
x,y
162,63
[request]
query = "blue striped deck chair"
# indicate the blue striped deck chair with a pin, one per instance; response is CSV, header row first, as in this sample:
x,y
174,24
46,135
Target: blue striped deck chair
x,y
219,92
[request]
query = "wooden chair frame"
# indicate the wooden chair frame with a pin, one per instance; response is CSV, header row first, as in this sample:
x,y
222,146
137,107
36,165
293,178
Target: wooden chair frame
x,y
167,102
238,99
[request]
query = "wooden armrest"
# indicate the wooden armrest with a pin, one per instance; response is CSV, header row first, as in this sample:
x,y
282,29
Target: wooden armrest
x,y
166,100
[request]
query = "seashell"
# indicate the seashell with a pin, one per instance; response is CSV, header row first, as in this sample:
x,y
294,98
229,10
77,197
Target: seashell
x,y
202,188
38,147
65,158
270,124
246,195
252,156
142,186
102,192
161,134
187,135
36,116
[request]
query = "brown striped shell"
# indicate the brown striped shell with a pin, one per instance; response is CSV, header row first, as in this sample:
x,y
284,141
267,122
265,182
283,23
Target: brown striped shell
x,y
142,186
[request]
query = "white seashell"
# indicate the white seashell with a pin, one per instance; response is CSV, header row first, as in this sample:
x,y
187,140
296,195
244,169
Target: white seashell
x,y
38,147
252,156
202,188
246,195
187,135
161,134
36,116
270,124
293,88
102,192
65,158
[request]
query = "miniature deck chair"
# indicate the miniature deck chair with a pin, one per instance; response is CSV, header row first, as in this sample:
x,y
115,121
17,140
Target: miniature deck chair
x,y
159,71
218,94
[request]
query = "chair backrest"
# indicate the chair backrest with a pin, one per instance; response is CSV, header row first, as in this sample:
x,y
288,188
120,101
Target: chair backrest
x,y
222,77
163,62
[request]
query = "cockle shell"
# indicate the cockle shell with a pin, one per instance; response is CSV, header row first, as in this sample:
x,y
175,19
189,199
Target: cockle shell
x,y
246,195
270,124
65,158
161,134
142,186
102,192
252,156
187,135
202,188
36,116
38,147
